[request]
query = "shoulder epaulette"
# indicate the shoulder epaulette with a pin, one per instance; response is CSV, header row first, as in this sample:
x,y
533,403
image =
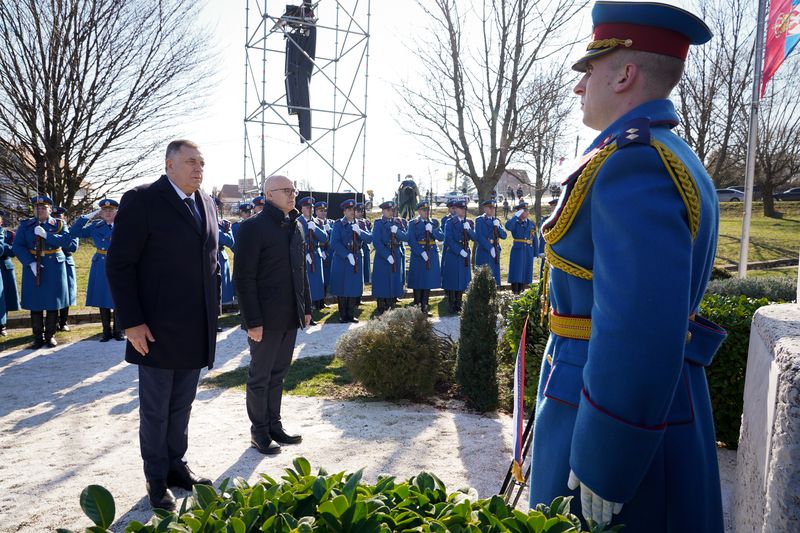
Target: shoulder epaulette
x,y
636,131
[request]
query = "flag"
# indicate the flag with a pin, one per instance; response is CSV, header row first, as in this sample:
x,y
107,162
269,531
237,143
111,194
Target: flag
x,y
783,34
519,407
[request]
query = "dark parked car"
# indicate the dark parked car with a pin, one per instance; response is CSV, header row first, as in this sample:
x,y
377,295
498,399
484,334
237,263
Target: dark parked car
x,y
792,195
730,195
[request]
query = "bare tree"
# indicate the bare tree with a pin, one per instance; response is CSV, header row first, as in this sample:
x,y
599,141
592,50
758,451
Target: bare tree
x,y
469,107
715,85
90,88
778,148
550,98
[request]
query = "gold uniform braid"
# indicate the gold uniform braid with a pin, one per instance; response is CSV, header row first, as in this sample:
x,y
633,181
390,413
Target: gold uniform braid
x,y
686,185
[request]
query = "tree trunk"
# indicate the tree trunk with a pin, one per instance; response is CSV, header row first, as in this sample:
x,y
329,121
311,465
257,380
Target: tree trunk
x,y
769,201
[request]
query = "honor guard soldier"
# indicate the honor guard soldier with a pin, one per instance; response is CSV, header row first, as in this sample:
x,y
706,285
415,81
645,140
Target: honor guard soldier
x,y
38,246
424,272
60,213
488,233
97,292
347,281
10,296
457,270
523,251
245,212
258,204
226,238
623,418
315,237
321,219
387,283
364,224
403,223
445,219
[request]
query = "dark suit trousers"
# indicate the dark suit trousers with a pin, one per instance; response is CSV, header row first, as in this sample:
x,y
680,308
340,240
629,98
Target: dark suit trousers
x,y
165,402
269,363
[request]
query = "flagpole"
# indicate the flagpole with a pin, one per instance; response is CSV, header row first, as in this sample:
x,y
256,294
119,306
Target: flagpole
x,y
752,139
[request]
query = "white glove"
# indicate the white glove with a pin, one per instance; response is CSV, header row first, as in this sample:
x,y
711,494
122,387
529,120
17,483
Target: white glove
x,y
497,223
593,506
424,255
491,251
351,259
394,229
463,253
40,232
390,259
356,229
466,225
519,213
428,227
541,255
323,254
311,225
91,215
308,258
33,267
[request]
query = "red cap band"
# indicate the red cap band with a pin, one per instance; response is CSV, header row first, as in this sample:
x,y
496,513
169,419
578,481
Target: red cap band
x,y
646,38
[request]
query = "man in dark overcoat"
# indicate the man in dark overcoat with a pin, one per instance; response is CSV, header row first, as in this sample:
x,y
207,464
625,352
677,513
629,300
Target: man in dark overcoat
x,y
163,273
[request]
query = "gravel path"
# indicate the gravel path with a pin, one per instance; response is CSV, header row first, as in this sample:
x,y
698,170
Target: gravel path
x,y
69,418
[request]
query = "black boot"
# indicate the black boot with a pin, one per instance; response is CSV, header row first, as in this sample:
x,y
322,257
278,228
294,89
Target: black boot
x,y
458,297
351,312
50,325
105,319
416,297
452,303
63,315
424,299
37,325
343,308
118,333
523,287
381,306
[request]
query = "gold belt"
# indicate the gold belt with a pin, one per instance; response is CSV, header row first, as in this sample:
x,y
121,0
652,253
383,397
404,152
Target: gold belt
x,y
571,327
423,242
101,252
45,252
526,241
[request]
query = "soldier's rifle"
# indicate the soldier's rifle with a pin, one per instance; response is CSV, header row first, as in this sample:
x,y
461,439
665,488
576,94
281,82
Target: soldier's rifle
x,y
39,254
354,248
495,243
427,248
392,245
465,244
310,246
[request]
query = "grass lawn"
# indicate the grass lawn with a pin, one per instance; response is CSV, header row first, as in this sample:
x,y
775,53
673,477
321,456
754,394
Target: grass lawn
x,y
312,376
20,338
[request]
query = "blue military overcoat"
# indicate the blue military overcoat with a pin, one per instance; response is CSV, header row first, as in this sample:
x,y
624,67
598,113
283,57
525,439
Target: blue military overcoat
x,y
346,280
457,270
486,240
316,269
72,275
523,250
325,252
367,225
7,272
52,292
387,279
424,274
226,238
97,292
631,246
443,226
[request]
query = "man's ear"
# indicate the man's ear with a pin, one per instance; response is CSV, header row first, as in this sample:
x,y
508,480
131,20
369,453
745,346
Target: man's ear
x,y
626,77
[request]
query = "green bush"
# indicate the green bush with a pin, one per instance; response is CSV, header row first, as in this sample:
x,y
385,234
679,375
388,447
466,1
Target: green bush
x,y
393,356
773,288
727,372
527,305
720,273
476,368
305,503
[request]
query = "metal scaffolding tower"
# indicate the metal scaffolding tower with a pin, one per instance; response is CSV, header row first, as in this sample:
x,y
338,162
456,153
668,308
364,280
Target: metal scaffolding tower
x,y
340,67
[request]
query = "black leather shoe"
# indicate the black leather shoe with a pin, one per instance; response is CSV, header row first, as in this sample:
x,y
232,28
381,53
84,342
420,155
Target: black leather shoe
x,y
265,445
37,343
279,435
312,323
160,496
120,336
184,478
51,342
106,336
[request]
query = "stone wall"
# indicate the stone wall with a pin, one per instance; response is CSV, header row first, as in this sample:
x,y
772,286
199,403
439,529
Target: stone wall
x,y
767,492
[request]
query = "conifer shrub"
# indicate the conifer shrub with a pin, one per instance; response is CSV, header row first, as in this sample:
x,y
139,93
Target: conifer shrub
x,y
773,288
396,356
476,367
